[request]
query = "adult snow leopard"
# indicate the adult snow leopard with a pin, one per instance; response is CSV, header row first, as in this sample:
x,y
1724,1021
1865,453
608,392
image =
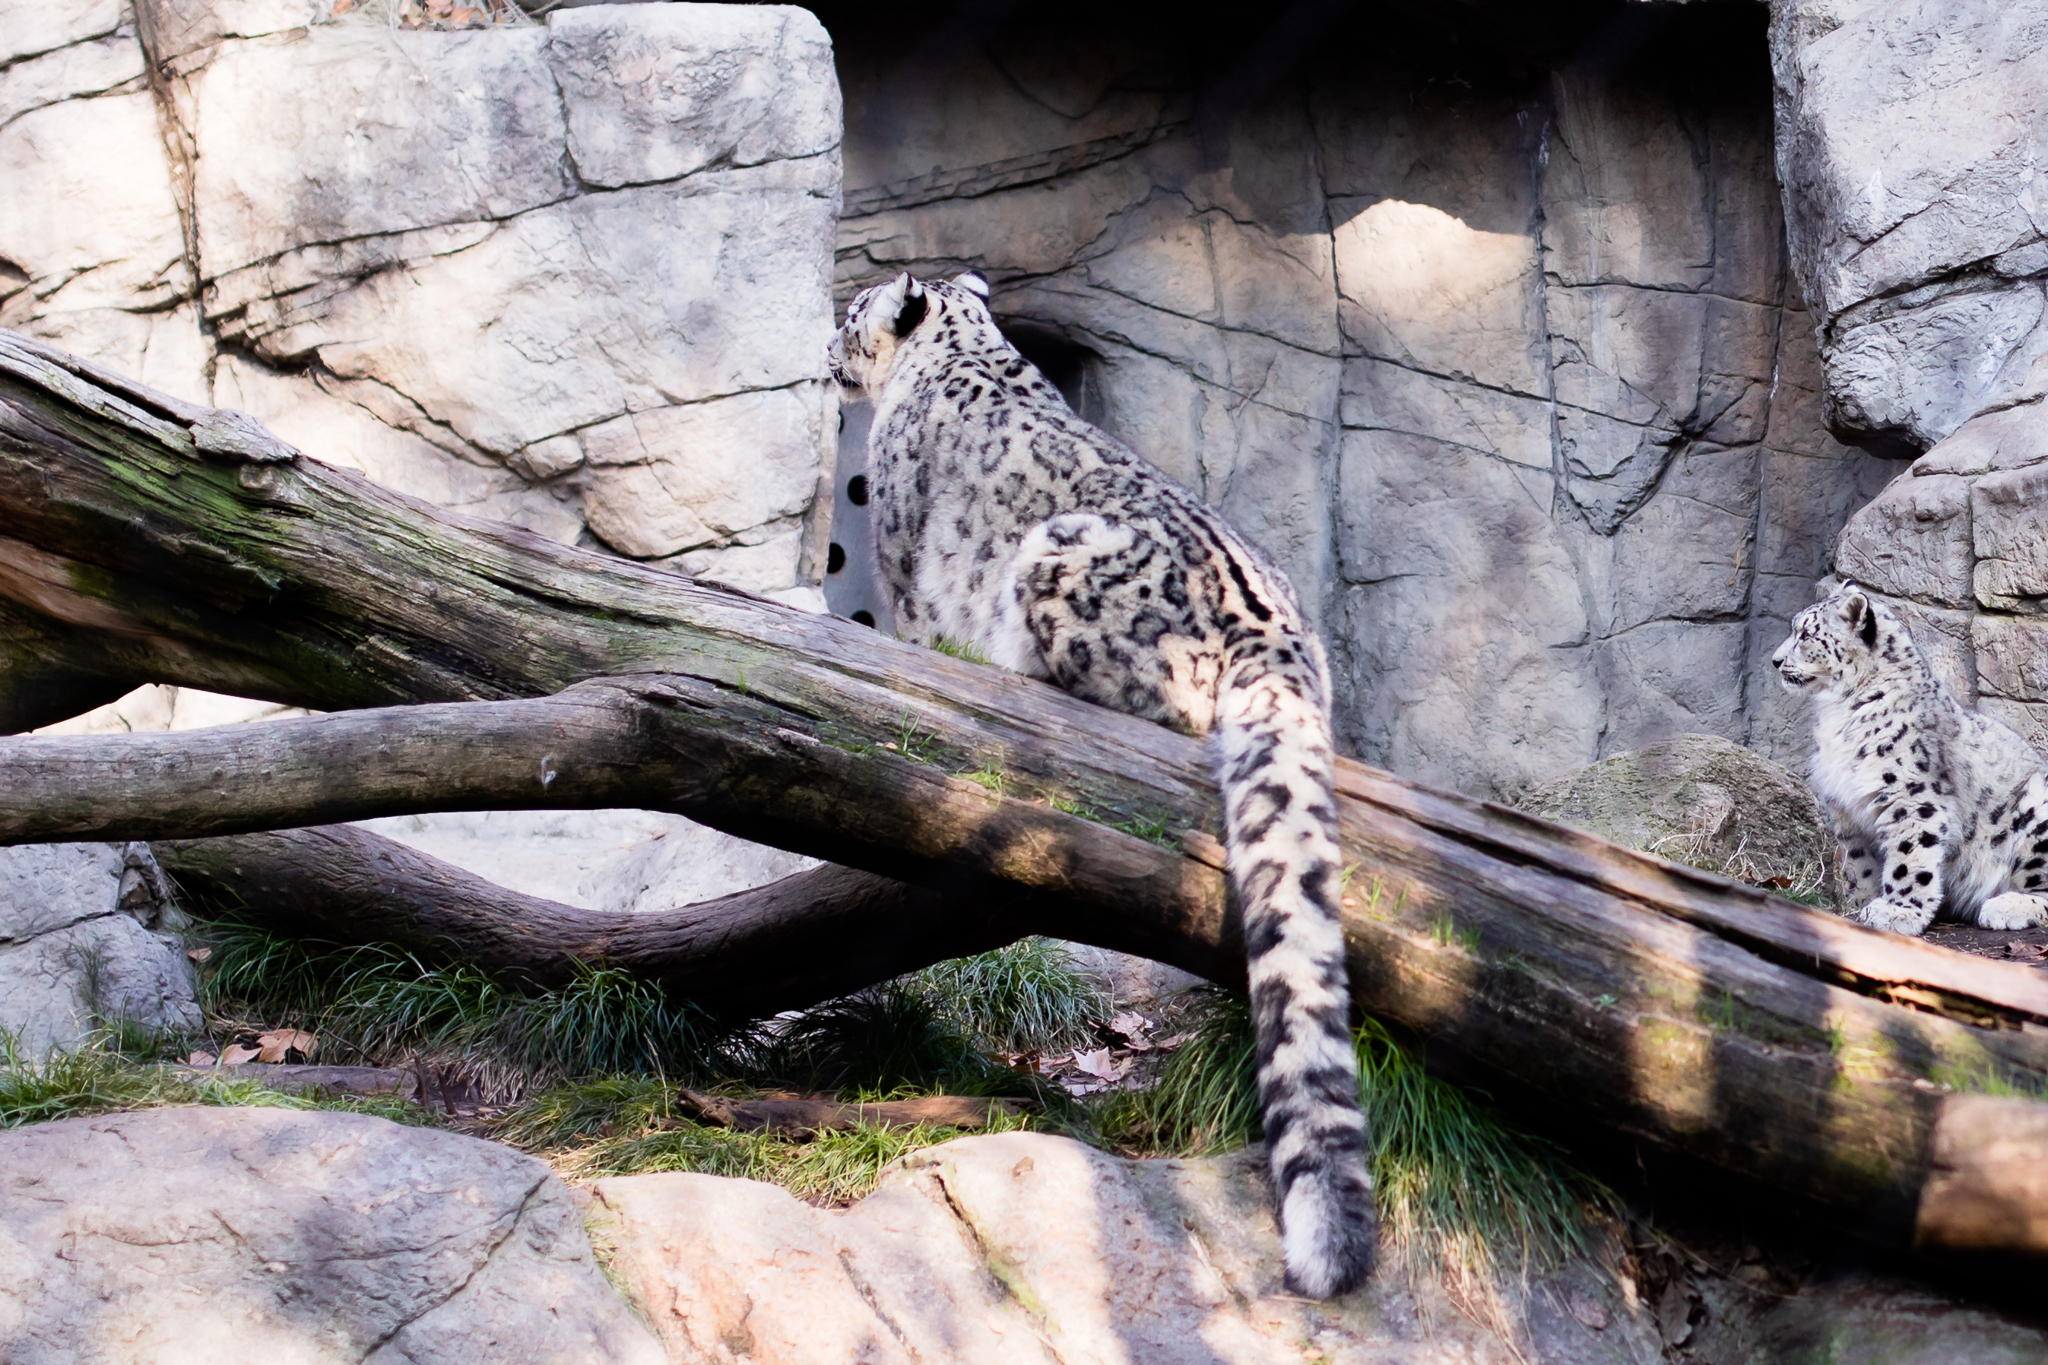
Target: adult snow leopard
x,y
1004,519
1933,804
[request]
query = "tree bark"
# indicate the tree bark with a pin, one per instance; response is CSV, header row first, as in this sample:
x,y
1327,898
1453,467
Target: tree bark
x,y
792,943
158,542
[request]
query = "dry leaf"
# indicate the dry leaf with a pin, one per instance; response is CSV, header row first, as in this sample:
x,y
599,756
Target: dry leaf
x,y
1133,1026
235,1054
1101,1065
199,954
1589,1312
2026,952
272,1046
1169,1044
201,1059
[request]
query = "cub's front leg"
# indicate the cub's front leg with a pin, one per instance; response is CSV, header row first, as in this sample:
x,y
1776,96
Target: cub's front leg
x,y
1909,846
1856,859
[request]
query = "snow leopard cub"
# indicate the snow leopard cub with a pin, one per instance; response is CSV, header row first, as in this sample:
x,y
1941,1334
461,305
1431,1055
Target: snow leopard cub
x,y
1934,805
1004,519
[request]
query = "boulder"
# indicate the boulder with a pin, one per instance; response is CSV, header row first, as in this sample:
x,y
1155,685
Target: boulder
x,y
1027,1247
87,939
1912,140
262,1236
1697,799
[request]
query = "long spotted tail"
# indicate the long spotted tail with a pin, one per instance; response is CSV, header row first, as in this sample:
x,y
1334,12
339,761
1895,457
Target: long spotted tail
x,y
1274,765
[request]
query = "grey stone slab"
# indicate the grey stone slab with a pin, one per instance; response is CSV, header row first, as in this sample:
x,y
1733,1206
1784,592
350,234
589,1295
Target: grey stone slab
x,y
2009,529
412,130
2012,657
1429,292
1023,1247
94,67
84,942
261,1235
89,215
1473,610
28,27
1913,138
1382,396
682,89
1913,540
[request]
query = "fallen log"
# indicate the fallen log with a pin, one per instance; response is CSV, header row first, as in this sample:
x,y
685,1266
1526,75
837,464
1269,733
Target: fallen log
x,y
1707,1019
824,1114
806,938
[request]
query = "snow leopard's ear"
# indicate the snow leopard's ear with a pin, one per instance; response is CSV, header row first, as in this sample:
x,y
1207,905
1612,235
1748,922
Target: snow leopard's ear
x,y
911,304
1856,611
973,281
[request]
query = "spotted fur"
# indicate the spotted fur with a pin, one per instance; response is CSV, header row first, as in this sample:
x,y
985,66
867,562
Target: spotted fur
x,y
1004,519
1935,807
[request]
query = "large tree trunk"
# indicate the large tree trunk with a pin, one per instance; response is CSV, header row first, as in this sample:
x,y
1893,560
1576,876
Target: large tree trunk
x,y
151,541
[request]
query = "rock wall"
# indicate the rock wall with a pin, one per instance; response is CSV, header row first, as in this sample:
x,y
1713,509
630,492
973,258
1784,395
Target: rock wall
x,y
87,937
1479,319
569,274
1914,143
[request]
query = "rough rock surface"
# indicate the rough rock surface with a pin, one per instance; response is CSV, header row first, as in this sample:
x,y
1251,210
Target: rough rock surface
x,y
570,274
1914,143
1913,140
1481,323
1698,799
1026,1247
265,1236
1959,545
85,940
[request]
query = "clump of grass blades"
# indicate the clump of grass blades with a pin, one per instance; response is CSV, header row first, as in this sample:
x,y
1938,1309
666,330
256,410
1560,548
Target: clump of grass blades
x,y
1025,997
98,1078
1465,1196
379,1003
628,1125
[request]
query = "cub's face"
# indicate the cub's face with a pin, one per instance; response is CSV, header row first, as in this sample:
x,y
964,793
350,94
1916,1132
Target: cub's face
x,y
1832,643
880,320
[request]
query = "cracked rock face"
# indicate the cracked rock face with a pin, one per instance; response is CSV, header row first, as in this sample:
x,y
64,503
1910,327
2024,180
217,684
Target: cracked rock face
x,y
1022,1247
471,257
1913,138
264,1236
1959,545
1480,323
86,936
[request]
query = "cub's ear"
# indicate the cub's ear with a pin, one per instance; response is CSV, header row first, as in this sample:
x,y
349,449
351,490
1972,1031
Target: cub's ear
x,y
912,310
973,281
1856,611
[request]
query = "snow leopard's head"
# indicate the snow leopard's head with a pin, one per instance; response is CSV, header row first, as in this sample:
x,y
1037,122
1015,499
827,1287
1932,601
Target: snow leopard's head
x,y
1836,641
884,319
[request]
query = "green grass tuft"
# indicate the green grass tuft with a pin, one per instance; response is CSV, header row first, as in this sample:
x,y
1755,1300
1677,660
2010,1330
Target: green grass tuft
x,y
1028,996
381,1004
630,1125
960,649
1466,1196
98,1078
